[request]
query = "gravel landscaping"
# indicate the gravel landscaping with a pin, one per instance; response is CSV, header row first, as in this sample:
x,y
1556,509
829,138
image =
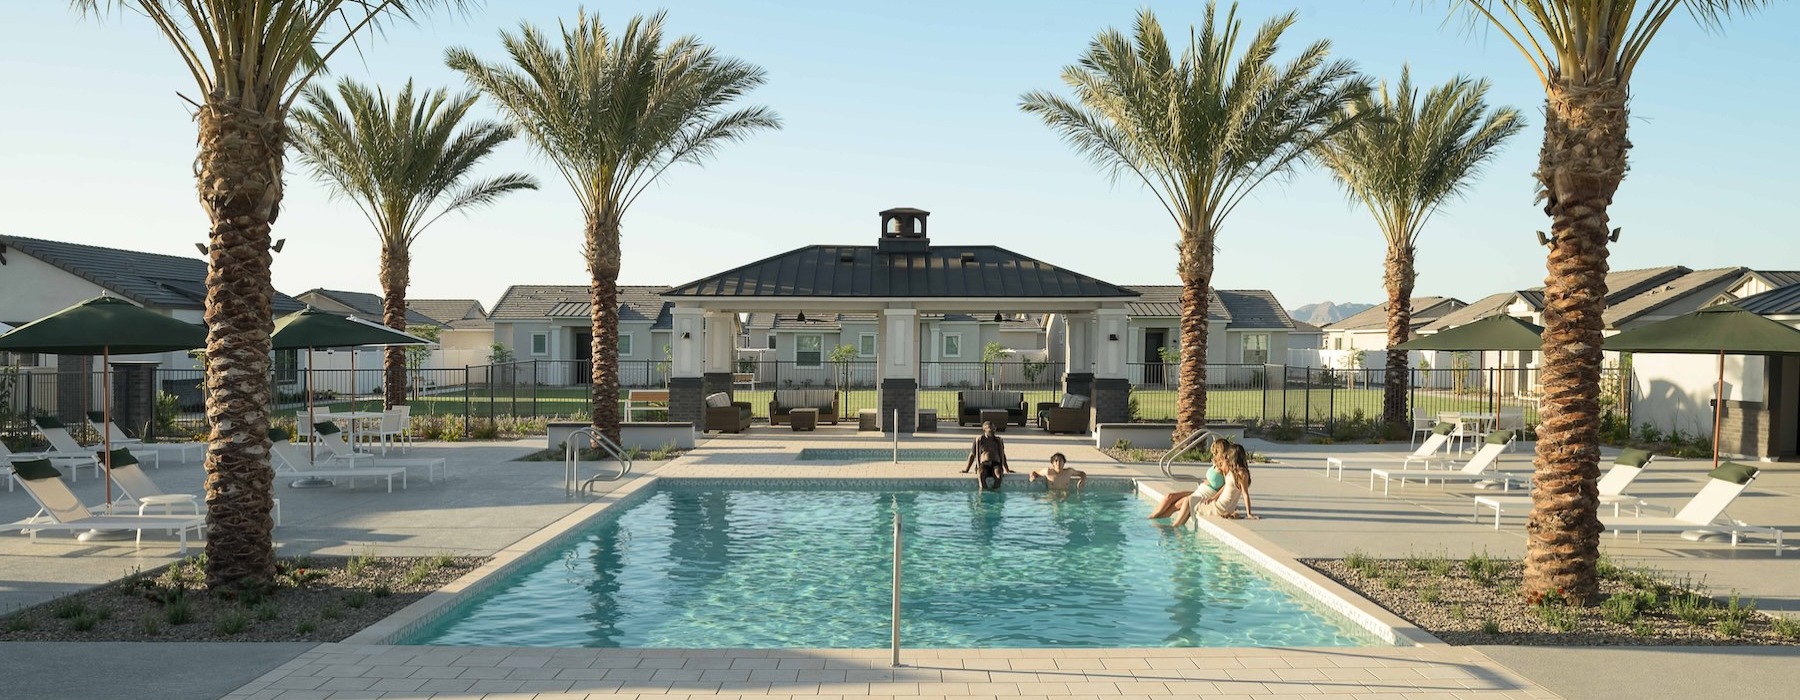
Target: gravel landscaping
x,y
1477,601
319,599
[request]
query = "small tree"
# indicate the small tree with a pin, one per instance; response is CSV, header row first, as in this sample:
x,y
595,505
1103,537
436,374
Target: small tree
x,y
990,356
499,354
840,358
416,355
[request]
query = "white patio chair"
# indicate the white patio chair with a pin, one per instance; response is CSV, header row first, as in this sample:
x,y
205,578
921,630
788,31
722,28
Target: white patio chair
x,y
1625,469
1474,471
60,509
1422,423
392,429
1705,511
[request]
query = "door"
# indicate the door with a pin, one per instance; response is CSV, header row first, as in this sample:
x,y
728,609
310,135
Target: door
x,y
584,358
1154,340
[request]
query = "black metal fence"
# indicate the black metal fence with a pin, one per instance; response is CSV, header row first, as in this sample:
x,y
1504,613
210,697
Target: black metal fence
x,y
454,402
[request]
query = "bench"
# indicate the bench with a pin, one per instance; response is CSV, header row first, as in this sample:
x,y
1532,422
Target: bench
x,y
645,400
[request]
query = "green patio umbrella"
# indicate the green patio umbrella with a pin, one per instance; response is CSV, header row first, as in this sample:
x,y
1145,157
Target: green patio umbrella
x,y
1494,333
104,325
1715,330
310,328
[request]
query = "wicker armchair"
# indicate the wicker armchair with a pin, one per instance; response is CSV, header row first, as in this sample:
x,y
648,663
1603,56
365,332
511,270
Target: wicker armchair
x,y
1059,419
728,419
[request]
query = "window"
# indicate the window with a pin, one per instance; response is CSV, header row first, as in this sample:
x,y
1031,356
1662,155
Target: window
x,y
771,340
19,359
287,366
865,345
952,345
625,344
1337,343
540,344
1256,348
809,351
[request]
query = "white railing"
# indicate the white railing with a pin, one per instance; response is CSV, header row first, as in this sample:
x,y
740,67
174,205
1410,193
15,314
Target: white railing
x,y
572,460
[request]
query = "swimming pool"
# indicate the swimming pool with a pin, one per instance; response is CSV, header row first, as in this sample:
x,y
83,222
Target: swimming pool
x,y
866,454
786,566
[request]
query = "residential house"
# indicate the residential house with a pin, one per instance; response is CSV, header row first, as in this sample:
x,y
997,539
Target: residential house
x,y
1367,329
1244,327
41,277
465,338
551,327
794,346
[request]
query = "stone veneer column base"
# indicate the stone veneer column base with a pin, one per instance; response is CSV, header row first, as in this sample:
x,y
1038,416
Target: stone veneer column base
x,y
134,396
716,383
1111,401
900,395
686,399
1079,384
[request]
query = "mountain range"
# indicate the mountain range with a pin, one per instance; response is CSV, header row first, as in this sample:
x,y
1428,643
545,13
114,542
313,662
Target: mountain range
x,y
1326,312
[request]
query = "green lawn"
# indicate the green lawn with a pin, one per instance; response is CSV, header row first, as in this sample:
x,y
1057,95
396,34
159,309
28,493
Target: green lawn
x,y
1152,404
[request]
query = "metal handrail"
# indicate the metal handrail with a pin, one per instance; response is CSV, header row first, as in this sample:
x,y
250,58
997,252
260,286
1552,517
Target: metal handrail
x,y
572,460
1193,440
895,661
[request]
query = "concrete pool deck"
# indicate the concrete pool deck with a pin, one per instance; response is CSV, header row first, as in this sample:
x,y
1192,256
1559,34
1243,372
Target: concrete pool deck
x,y
491,502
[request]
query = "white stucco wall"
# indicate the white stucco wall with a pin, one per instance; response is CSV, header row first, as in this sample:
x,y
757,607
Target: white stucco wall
x,y
1675,392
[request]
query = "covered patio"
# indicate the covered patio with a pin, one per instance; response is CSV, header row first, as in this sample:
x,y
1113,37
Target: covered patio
x,y
901,278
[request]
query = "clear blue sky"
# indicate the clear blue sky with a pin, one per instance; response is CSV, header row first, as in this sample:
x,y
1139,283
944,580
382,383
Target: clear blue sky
x,y
915,104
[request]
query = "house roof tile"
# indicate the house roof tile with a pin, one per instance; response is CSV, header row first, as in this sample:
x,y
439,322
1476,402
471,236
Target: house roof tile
x,y
531,302
1424,310
150,279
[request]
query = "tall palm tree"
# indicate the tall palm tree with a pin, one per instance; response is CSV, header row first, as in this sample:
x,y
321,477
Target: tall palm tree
x,y
1201,133
405,164
613,114
1403,163
1584,53
249,60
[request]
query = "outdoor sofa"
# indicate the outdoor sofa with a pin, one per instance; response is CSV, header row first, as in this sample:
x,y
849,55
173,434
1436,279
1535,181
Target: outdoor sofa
x,y
970,404
724,415
786,400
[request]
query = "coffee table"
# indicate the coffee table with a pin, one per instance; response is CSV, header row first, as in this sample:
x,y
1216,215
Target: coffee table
x,y
803,418
997,416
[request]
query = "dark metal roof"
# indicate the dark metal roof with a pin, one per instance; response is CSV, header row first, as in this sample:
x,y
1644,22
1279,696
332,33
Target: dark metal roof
x,y
1779,278
530,302
1664,292
1775,302
150,279
863,272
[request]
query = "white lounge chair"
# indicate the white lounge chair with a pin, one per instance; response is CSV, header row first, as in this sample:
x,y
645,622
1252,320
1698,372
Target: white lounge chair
x,y
74,461
62,442
136,488
337,448
334,445
1625,469
60,509
1705,513
1475,470
97,421
288,459
1435,449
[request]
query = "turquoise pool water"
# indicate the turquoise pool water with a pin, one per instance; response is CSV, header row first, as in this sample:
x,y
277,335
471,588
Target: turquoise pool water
x,y
753,567
853,454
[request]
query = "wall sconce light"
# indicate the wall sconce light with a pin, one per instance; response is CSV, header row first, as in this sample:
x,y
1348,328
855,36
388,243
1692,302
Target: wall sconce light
x,y
1112,336
801,318
201,247
685,335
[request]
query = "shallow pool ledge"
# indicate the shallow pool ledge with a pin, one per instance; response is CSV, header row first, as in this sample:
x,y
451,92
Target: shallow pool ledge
x,y
1282,564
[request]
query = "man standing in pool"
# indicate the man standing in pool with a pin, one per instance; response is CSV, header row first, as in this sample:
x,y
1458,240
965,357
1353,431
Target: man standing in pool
x,y
991,452
1058,477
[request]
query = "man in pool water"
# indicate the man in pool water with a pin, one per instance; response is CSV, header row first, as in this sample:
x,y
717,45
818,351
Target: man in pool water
x,y
1058,476
991,452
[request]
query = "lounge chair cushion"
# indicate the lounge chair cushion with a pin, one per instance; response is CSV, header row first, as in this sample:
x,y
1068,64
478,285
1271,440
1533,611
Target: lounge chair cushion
x,y
718,400
1734,473
1499,437
326,428
120,457
96,416
1633,457
1443,428
48,422
279,435
34,469
1073,401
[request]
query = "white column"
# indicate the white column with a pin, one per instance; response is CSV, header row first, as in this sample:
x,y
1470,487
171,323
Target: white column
x,y
686,342
936,376
900,343
721,341
1111,344
1077,343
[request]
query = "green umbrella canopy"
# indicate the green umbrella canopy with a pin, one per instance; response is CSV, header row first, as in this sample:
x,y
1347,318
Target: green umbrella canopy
x,y
1491,333
104,325
312,328
1716,329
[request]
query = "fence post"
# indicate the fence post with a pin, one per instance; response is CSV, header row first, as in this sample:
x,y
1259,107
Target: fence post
x,y
1306,412
467,387
534,388
1331,402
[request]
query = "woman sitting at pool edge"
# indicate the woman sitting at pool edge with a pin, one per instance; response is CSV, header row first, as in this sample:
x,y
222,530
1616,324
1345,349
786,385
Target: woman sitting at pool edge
x,y
1233,464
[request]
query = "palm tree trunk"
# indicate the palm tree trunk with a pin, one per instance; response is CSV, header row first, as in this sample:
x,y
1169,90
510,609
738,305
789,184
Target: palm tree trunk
x,y
603,291
1580,166
1196,281
396,269
239,177
1399,285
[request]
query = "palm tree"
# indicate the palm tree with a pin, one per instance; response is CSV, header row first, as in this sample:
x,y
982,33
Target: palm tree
x,y
405,164
249,60
1584,53
613,114
1405,162
1201,134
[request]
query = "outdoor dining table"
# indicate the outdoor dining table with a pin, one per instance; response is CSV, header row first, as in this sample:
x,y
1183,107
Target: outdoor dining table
x,y
351,419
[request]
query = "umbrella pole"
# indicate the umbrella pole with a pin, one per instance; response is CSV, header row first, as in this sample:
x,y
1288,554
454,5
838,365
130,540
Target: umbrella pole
x,y
106,440
1718,407
312,440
